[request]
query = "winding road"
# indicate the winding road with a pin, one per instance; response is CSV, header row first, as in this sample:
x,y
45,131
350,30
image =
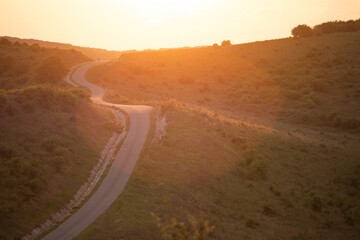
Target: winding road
x,y
119,172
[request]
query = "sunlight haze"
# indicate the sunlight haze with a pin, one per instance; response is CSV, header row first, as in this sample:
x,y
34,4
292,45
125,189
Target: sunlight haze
x,y
143,24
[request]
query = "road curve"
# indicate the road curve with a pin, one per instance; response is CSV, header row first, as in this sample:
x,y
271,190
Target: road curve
x,y
119,172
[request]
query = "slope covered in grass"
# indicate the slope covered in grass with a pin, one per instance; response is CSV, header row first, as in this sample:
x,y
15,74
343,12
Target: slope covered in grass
x,y
290,171
250,181
310,80
50,136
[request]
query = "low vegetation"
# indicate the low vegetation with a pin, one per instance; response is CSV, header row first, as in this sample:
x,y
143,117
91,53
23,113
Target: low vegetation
x,y
307,81
175,230
282,185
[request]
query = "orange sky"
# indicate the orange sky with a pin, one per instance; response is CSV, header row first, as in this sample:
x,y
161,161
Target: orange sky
x,y
142,24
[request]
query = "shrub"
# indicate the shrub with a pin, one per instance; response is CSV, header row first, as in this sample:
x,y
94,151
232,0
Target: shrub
x,y
114,126
35,47
274,190
315,201
192,230
338,26
5,41
352,215
259,167
250,223
225,43
49,97
336,119
81,92
59,162
302,30
51,70
6,152
6,63
116,98
49,144
268,211
347,123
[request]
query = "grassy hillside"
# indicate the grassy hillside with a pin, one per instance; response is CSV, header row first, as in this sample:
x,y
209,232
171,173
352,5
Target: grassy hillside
x,y
301,80
94,53
289,171
250,181
50,135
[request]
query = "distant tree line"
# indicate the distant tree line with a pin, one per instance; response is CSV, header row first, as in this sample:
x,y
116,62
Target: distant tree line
x,y
304,30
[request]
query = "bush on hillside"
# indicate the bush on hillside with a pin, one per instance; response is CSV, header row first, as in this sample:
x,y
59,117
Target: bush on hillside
x,y
6,152
35,47
49,97
5,41
175,230
315,201
114,126
302,30
352,215
52,70
338,26
259,167
225,43
6,63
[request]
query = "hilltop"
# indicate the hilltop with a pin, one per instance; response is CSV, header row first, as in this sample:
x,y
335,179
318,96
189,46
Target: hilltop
x,y
93,53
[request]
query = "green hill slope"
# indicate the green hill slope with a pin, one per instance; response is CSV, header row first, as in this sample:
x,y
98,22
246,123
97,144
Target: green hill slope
x,y
300,80
279,157
250,181
50,135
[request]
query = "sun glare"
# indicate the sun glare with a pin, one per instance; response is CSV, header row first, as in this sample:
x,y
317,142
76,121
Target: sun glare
x,y
157,12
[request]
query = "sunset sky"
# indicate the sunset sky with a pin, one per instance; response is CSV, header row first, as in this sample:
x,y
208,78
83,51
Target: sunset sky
x,y
142,24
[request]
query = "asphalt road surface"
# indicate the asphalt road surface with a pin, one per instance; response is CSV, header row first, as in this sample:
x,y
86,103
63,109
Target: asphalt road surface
x,y
119,172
